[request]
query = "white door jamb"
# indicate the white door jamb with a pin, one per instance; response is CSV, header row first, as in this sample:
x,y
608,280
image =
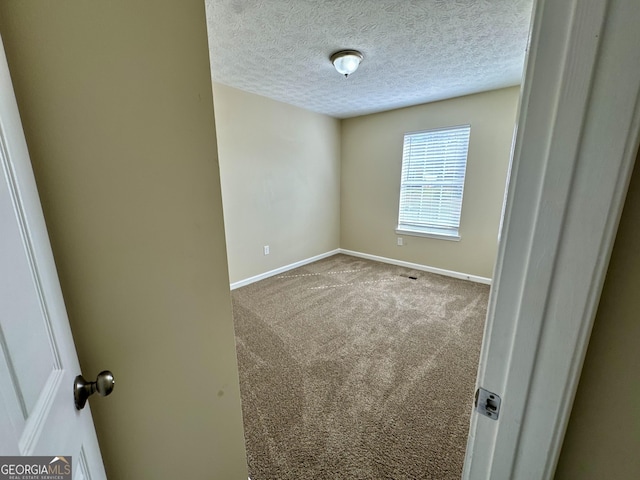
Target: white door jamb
x,y
577,139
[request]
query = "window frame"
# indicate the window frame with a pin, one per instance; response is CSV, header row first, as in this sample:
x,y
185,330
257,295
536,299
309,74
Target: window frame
x,y
432,231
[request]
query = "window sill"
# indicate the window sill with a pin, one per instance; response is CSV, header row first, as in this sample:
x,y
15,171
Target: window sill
x,y
420,233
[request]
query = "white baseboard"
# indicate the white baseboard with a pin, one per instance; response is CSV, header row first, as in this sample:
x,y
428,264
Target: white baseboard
x,y
286,268
417,266
392,261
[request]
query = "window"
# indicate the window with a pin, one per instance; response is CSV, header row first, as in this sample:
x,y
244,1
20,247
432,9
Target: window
x,y
433,168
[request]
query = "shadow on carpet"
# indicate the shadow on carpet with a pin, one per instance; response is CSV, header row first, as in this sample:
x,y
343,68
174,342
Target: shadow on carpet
x,y
350,369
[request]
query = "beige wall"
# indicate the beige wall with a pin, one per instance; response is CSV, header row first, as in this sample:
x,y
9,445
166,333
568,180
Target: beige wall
x,y
117,109
280,173
603,436
371,165
116,102
306,183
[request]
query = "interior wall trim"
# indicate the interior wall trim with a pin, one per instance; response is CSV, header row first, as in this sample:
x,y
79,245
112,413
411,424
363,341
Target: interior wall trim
x,y
279,270
417,266
578,132
392,261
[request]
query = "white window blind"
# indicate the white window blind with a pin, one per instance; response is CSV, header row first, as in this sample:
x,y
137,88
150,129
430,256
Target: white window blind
x,y
433,169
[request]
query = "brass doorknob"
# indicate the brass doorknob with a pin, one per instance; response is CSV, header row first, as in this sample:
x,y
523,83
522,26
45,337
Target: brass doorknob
x,y
82,389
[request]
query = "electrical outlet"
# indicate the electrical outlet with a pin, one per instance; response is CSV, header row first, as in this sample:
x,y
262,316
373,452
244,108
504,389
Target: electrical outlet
x,y
400,241
266,249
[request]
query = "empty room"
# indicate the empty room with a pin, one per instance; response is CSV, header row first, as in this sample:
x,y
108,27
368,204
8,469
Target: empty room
x,y
362,213
326,346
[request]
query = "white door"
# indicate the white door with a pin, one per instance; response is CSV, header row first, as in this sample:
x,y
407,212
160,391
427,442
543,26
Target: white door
x,y
38,361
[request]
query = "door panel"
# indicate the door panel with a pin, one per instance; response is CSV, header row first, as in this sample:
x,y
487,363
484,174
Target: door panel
x,y
26,337
38,361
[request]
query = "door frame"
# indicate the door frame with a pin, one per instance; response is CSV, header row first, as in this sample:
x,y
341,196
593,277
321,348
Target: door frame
x,y
575,147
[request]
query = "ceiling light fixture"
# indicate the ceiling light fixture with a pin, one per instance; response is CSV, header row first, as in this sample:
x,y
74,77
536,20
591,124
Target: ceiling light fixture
x,y
346,61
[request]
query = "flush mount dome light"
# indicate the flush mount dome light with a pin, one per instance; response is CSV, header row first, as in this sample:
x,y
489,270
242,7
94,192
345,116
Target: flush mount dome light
x,y
346,61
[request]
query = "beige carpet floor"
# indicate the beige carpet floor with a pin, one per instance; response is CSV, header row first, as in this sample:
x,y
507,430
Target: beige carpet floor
x,y
350,369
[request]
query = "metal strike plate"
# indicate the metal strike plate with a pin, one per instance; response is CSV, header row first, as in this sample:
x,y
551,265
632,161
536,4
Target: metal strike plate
x,y
488,403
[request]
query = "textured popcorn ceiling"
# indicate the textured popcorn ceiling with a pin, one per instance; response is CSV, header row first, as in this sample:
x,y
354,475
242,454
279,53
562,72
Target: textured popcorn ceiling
x,y
415,51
